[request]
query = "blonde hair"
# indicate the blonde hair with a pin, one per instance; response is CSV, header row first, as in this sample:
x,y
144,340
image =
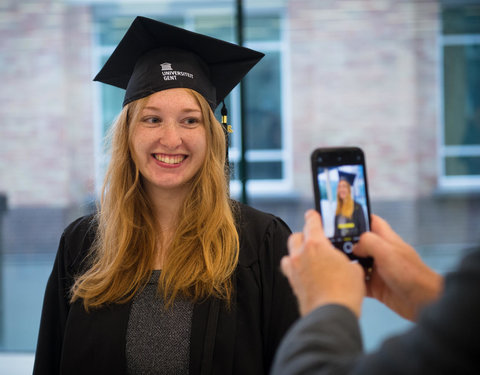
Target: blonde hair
x,y
204,251
345,207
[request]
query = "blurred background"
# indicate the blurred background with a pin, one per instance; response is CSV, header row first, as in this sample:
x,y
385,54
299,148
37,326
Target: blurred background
x,y
400,79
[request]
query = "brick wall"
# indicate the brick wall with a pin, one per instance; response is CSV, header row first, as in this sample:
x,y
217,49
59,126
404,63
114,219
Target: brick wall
x,y
362,73
365,73
46,131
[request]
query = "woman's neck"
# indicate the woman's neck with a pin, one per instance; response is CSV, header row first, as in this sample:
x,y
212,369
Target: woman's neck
x,y
166,208
166,205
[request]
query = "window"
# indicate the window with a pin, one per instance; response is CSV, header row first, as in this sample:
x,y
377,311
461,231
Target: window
x,y
460,144
267,167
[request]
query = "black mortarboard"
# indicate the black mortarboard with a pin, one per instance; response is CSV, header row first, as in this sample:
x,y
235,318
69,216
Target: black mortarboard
x,y
154,56
349,177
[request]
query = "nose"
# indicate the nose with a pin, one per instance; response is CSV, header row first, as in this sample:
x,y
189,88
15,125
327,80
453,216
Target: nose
x,y
170,136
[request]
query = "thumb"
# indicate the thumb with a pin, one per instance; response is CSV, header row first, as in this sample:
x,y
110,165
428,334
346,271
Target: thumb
x,y
313,225
374,242
371,244
286,266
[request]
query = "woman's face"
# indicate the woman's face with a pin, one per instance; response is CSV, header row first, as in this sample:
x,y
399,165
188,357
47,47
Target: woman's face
x,y
169,141
343,189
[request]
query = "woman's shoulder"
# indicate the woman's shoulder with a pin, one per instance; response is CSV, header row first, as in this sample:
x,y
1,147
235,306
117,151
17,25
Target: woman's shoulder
x,y
81,228
357,206
77,239
254,220
262,235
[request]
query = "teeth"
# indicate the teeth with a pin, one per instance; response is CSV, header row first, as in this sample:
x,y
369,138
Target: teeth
x,y
170,159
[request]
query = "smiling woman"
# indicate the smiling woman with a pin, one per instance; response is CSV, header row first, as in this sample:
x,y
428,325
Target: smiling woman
x,y
171,275
349,215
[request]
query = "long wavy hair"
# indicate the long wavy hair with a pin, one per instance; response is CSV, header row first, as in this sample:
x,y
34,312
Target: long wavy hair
x,y
203,254
345,206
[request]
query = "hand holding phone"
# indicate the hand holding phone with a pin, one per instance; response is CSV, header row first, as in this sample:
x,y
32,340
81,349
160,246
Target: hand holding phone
x,y
341,196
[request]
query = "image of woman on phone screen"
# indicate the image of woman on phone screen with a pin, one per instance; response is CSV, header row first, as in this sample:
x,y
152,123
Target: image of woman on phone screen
x,y
349,215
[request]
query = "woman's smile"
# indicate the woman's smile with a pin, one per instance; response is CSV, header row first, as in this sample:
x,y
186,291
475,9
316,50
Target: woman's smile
x,y
171,160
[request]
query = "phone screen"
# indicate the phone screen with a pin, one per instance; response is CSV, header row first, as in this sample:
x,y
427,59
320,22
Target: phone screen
x,y
341,195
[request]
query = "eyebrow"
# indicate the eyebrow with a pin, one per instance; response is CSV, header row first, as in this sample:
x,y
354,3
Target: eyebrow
x,y
184,110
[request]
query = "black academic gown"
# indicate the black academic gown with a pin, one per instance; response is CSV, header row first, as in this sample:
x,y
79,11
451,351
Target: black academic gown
x,y
241,340
358,219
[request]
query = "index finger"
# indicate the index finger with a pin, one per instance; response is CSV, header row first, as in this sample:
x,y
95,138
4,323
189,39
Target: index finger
x,y
313,225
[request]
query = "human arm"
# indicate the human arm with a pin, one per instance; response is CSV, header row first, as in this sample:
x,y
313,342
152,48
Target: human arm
x,y
73,245
399,279
330,290
444,341
319,273
326,340
53,318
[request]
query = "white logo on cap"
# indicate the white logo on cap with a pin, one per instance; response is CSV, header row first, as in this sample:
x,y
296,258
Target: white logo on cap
x,y
166,66
171,75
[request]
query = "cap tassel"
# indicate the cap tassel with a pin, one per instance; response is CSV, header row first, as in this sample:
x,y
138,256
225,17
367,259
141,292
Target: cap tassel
x,y
224,113
226,129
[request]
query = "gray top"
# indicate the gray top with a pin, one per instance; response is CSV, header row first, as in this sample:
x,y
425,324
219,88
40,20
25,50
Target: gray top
x,y
158,339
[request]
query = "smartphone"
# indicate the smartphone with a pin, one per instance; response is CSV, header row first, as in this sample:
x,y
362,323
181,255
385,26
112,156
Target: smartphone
x,y
341,196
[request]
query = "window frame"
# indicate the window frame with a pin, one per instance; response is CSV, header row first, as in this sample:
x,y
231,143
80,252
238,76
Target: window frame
x,y
458,183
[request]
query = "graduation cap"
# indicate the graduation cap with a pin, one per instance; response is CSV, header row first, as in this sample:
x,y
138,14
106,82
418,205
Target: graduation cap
x,y
349,177
154,56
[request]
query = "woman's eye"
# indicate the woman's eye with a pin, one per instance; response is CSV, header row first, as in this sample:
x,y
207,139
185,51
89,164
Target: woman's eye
x,y
151,120
191,121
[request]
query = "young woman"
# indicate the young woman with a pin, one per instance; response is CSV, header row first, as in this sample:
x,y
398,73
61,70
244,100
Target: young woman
x,y
349,216
170,276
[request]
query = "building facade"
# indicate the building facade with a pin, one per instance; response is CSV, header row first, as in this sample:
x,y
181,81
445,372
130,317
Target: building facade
x,y
386,75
